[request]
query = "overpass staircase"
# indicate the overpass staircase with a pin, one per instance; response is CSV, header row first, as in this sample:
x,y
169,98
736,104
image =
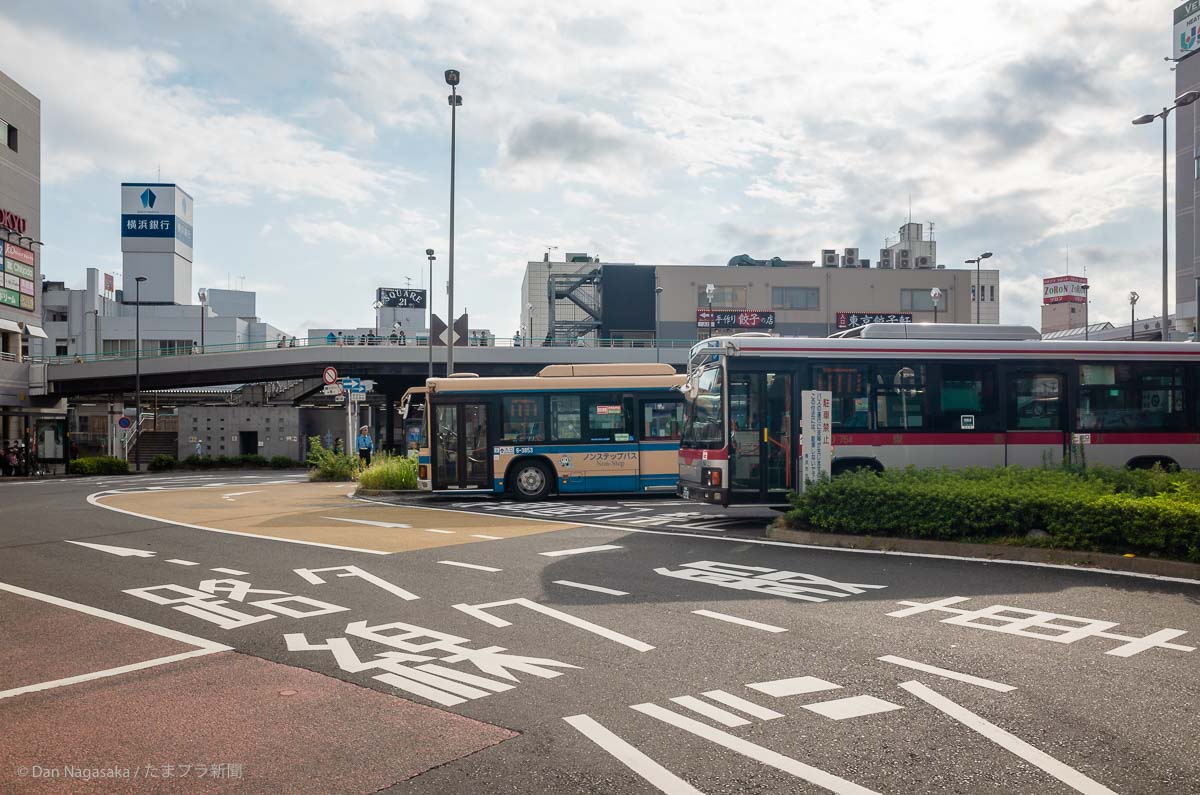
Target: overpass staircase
x,y
152,443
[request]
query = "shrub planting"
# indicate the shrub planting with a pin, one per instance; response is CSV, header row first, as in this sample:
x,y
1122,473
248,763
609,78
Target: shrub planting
x,y
162,463
389,472
99,465
324,464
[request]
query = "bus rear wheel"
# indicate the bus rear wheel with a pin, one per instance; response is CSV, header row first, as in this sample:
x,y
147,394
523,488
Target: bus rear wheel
x,y
529,480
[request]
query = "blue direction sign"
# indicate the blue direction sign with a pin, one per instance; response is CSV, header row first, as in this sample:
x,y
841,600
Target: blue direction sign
x,y
350,383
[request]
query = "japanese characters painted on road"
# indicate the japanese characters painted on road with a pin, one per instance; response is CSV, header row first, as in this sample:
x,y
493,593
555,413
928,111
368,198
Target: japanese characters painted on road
x,y
789,584
210,599
1041,625
409,664
816,423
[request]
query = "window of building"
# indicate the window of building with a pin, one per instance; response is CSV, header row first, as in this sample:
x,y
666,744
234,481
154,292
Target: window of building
x,y
608,419
921,301
523,419
60,347
970,398
1130,397
10,134
566,424
992,293
662,420
795,298
724,297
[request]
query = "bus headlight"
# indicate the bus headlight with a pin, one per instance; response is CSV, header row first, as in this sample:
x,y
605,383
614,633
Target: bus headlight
x,y
711,477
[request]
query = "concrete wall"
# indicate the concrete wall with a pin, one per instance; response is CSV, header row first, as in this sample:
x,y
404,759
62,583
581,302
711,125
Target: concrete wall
x,y
219,428
233,303
1187,78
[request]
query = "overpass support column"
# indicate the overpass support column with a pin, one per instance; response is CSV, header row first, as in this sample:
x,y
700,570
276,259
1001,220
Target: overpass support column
x,y
390,423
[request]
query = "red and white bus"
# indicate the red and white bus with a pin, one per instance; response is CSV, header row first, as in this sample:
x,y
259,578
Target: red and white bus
x,y
931,395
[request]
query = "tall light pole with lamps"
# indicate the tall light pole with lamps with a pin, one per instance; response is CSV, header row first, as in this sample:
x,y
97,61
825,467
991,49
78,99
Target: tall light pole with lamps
x,y
935,295
1133,299
1183,100
202,294
709,290
137,370
429,298
455,100
1086,328
978,285
657,333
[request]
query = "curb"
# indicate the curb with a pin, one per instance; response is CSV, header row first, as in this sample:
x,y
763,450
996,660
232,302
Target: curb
x,y
1070,557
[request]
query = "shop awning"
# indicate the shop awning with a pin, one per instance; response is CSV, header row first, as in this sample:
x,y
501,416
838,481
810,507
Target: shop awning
x,y
9,325
35,331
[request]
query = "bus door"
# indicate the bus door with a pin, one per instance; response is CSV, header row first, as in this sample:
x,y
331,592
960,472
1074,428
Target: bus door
x,y
658,444
1037,417
462,455
761,419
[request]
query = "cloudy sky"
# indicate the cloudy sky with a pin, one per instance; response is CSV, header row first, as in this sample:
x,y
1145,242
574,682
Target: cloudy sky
x,y
314,135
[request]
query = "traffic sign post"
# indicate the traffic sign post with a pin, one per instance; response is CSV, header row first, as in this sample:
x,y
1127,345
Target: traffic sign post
x,y
329,376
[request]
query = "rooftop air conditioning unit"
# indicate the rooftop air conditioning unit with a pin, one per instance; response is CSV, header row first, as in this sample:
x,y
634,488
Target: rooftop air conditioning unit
x,y
864,263
829,258
903,261
850,258
924,262
885,258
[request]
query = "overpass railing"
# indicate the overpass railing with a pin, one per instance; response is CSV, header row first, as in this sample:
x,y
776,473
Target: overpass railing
x,y
372,341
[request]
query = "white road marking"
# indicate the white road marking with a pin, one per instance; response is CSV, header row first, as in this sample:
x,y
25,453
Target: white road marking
x,y
123,552
852,707
179,562
766,756
793,687
825,548
234,572
749,707
579,550
947,673
745,622
94,499
467,565
368,522
313,576
203,646
443,532
478,612
655,774
233,494
107,672
486,538
1009,742
709,711
694,527
596,588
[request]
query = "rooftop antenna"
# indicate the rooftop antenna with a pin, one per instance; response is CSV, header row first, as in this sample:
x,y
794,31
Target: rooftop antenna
x,y
1067,259
910,207
930,230
243,278
159,173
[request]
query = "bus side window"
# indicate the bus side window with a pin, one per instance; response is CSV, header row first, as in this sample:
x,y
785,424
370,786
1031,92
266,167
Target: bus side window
x,y
662,420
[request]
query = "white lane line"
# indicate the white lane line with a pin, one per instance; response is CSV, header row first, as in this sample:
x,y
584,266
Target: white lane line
x,y
745,622
486,538
852,707
596,588
233,494
368,522
579,550
107,672
793,687
766,756
467,565
94,499
947,673
230,571
179,562
443,532
1009,742
694,527
479,611
709,711
825,548
124,552
741,704
655,774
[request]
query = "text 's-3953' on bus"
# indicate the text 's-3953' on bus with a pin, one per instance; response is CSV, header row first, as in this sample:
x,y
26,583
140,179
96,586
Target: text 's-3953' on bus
x,y
570,429
931,395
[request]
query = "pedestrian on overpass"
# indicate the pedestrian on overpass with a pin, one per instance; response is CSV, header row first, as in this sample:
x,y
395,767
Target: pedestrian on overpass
x,y
365,445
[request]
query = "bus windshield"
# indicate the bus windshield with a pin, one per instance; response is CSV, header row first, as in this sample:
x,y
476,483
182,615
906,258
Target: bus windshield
x,y
703,425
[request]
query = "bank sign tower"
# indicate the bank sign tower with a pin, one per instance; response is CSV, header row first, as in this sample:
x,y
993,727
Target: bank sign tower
x,y
156,242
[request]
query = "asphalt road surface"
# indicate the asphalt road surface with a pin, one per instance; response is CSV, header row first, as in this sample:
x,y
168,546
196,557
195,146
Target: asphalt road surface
x,y
256,633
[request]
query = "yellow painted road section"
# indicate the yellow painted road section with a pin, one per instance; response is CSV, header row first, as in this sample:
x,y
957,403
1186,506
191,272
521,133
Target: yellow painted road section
x,y
316,512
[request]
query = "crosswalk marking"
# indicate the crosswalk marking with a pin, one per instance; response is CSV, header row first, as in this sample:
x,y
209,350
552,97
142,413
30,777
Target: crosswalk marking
x,y
745,622
721,716
748,707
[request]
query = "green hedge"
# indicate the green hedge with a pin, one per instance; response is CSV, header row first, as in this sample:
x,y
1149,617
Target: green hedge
x,y
162,463
1124,511
98,465
389,472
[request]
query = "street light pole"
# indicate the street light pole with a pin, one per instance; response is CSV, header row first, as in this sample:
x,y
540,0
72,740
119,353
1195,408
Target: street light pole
x,y
1181,101
429,298
978,285
455,100
137,371
1086,329
657,333
202,294
712,321
1133,299
936,296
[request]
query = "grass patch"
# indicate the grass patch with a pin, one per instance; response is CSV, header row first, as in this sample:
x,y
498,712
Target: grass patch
x,y
389,473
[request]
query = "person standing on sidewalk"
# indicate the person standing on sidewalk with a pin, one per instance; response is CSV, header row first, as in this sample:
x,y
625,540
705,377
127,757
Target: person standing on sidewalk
x,y
365,445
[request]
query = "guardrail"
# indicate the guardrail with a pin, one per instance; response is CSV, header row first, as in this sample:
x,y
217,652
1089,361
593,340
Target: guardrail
x,y
356,342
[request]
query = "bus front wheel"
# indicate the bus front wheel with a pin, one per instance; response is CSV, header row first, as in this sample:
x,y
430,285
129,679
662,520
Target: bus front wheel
x,y
529,480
